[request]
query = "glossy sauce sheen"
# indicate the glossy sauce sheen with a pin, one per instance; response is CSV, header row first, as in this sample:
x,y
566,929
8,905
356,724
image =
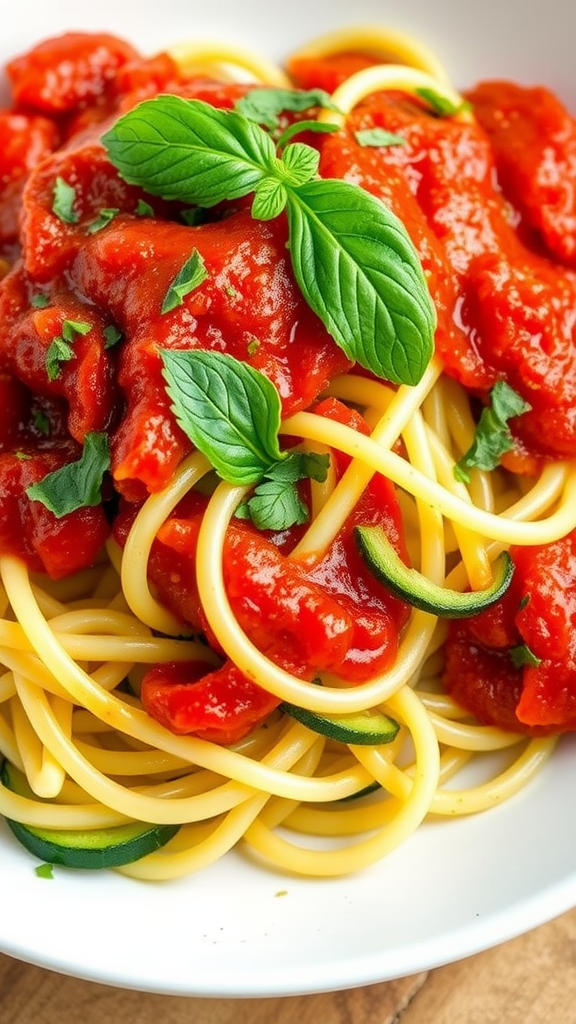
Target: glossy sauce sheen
x,y
490,208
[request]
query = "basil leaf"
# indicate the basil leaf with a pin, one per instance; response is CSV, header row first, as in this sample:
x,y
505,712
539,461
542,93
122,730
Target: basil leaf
x,y
440,104
275,505
300,162
106,215
493,436
63,201
39,301
189,150
70,328
143,209
265,105
378,137
112,335
298,466
190,276
270,198
58,352
522,656
230,411
360,273
78,484
319,127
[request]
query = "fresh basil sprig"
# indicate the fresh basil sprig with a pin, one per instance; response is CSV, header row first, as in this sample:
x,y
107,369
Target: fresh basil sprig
x,y
77,484
352,257
231,412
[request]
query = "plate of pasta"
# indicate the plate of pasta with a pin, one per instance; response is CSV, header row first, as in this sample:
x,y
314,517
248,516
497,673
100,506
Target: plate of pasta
x,y
287,489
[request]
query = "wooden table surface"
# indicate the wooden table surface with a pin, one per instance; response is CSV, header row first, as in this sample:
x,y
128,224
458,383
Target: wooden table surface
x,y
529,980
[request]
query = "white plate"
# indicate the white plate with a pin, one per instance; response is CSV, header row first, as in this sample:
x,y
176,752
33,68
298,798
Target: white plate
x,y
456,887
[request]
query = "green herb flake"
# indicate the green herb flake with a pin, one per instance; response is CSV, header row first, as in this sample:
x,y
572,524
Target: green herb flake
x,y
143,209
22,456
77,484
253,346
493,436
70,328
41,423
378,137
112,335
39,301
105,217
58,352
44,871
523,657
367,287
265,105
189,277
64,198
442,105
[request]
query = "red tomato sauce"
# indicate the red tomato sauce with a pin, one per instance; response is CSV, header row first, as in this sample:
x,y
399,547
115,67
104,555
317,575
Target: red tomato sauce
x,y
490,207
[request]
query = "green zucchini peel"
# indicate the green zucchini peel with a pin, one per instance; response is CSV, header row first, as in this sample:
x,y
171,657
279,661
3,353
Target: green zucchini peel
x,y
415,589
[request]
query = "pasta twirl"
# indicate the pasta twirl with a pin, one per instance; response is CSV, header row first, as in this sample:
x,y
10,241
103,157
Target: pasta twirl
x,y
86,713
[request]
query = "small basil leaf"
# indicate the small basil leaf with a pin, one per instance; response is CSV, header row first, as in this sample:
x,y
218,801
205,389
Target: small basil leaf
x,y
298,466
58,352
78,484
440,104
112,335
523,657
105,217
63,200
300,163
378,137
319,127
265,105
230,411
190,276
359,272
269,199
493,436
189,150
70,328
275,505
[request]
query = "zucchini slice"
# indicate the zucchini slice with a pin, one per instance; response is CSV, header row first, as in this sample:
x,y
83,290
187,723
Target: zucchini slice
x,y
364,728
89,849
411,586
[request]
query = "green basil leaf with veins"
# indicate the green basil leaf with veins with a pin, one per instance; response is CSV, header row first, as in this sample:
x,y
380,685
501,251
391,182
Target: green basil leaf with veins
x,y
189,150
353,259
265,105
77,484
229,410
300,163
275,505
270,198
360,273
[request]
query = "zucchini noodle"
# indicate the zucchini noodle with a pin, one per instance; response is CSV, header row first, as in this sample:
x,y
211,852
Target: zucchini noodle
x,y
74,652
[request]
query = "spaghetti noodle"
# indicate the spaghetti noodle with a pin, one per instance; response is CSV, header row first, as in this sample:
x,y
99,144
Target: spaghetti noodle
x,y
76,650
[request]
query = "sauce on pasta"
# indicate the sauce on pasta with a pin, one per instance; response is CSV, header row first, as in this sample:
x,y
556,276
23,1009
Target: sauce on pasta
x,y
152,637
